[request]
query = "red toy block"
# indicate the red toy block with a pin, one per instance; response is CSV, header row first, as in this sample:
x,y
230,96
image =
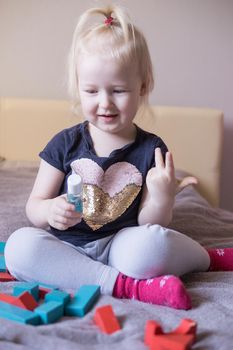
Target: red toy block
x,y
27,299
186,326
6,277
10,299
43,291
106,320
180,339
172,342
152,328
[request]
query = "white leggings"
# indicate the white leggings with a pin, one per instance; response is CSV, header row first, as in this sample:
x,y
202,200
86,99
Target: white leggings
x,y
142,252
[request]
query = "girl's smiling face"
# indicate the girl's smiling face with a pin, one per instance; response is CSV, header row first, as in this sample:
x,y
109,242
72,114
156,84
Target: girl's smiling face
x,y
110,93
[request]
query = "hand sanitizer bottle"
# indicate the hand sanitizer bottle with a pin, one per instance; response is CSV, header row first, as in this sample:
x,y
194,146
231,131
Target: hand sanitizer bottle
x,y
74,191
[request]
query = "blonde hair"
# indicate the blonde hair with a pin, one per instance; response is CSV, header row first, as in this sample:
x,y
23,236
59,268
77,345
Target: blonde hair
x,y
117,38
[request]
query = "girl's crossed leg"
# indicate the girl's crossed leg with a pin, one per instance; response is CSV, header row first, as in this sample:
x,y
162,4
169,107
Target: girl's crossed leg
x,y
33,254
139,253
148,251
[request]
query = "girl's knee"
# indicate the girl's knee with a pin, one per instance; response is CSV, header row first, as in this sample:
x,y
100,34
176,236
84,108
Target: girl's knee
x,y
20,248
159,232
19,240
136,251
144,251
16,241
142,236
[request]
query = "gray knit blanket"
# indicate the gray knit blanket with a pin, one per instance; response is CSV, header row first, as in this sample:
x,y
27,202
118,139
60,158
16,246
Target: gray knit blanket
x,y
211,292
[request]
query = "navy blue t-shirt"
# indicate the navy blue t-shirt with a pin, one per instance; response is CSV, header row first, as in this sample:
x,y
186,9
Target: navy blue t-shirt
x,y
112,186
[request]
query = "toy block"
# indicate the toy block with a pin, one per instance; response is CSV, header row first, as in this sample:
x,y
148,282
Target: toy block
x,y
43,291
2,247
6,277
180,339
31,287
172,342
27,299
83,300
48,286
10,299
49,312
58,295
152,328
106,320
187,326
2,264
17,314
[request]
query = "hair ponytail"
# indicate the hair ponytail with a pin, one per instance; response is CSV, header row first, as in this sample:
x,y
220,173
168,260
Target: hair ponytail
x,y
110,27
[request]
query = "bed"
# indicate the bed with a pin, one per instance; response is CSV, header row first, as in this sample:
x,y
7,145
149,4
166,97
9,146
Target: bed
x,y
195,137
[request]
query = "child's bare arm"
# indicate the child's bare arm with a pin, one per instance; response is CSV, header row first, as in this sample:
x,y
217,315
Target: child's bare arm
x,y
44,206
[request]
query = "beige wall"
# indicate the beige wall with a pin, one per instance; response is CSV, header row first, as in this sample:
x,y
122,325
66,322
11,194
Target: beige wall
x,y
190,43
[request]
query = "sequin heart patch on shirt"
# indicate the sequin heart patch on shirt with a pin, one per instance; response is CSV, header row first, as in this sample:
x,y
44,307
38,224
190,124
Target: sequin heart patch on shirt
x,y
107,194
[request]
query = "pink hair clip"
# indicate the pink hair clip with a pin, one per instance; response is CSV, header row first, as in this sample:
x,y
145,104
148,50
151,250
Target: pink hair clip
x,y
108,21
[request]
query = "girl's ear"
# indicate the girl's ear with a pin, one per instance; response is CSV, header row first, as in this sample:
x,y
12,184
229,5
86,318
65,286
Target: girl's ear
x,y
143,89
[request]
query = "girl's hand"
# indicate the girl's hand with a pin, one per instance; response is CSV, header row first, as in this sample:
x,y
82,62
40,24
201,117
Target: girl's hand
x,y
61,214
161,182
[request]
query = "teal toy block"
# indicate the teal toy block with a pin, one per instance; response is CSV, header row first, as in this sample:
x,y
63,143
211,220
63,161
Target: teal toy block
x,y
83,300
2,264
2,247
18,314
58,295
49,312
31,287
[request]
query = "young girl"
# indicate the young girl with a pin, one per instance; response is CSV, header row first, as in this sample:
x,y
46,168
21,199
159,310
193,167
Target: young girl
x,y
119,241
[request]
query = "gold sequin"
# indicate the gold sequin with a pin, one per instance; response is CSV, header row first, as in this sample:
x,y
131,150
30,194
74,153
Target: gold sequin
x,y
99,208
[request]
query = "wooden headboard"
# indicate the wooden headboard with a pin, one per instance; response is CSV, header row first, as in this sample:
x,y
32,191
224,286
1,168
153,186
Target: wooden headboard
x,y
194,135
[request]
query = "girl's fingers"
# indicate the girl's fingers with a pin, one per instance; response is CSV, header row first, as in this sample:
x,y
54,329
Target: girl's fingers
x,y
64,204
169,164
65,208
186,181
70,214
61,221
159,158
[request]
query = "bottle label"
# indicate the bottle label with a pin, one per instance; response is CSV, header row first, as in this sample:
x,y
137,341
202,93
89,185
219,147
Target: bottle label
x,y
77,201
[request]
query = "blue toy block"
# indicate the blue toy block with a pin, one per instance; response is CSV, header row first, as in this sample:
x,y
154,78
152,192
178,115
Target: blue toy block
x,y
2,264
18,314
58,295
83,300
2,247
49,312
31,287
